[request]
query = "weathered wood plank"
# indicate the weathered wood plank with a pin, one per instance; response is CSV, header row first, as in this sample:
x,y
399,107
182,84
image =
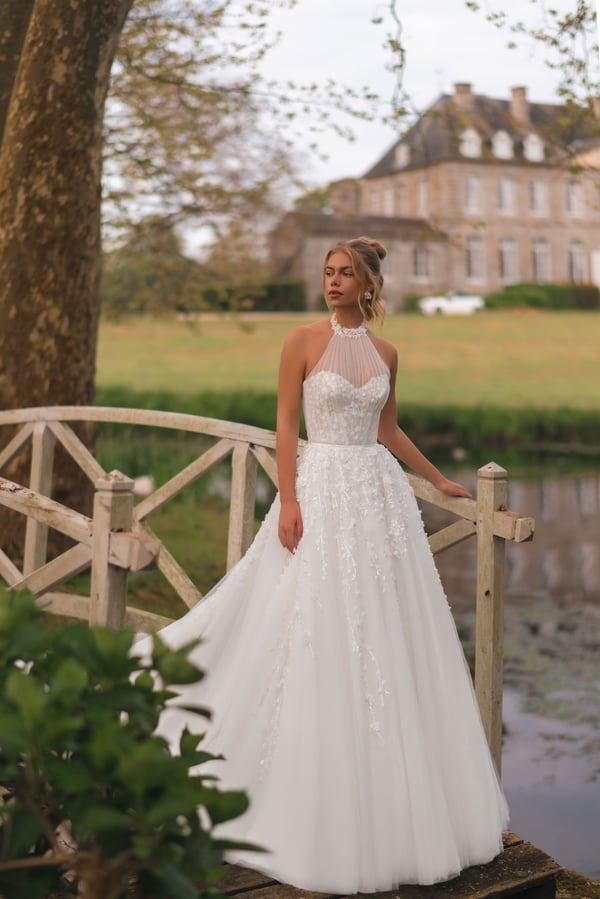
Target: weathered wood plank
x,y
521,871
146,622
42,508
8,569
489,639
267,460
40,480
179,421
77,450
184,478
71,605
173,572
75,560
452,535
113,511
14,447
241,505
133,551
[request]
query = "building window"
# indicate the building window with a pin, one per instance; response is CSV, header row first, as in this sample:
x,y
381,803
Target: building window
x,y
388,200
540,259
472,194
420,261
533,148
576,261
506,195
374,201
502,145
508,260
423,199
574,198
402,199
474,257
402,155
538,197
470,144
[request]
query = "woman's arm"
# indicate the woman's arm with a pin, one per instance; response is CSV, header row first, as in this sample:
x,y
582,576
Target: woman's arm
x,y
404,449
289,395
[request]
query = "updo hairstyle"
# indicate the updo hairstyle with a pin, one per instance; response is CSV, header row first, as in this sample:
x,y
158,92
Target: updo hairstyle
x,y
365,255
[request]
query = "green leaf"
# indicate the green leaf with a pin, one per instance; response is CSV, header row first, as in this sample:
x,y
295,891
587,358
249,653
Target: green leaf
x,y
223,806
102,817
70,680
20,830
28,696
177,885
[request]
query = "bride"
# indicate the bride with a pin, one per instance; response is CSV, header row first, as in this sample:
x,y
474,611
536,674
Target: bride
x,y
340,695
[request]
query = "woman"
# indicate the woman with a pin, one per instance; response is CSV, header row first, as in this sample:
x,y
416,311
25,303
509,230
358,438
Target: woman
x,y
341,700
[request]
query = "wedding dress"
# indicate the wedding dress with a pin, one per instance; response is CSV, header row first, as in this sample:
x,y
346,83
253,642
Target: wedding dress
x,y
340,695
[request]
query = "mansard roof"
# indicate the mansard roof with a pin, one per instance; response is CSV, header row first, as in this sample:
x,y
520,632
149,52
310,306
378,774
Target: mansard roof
x,y
436,136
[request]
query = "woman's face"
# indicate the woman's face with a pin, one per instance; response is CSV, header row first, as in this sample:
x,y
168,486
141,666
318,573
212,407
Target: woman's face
x,y
340,285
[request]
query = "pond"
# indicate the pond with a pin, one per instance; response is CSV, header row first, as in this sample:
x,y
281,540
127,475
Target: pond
x,y
551,749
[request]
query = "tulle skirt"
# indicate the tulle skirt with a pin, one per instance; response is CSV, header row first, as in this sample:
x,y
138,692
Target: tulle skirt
x,y
340,695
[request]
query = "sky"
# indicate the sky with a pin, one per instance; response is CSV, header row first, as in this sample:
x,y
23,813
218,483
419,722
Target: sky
x,y
445,43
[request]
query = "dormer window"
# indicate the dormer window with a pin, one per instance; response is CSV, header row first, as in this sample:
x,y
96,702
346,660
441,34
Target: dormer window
x,y
470,144
533,148
402,155
502,145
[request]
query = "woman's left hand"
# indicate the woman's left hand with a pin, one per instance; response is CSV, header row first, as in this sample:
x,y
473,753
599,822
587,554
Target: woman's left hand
x,y
451,488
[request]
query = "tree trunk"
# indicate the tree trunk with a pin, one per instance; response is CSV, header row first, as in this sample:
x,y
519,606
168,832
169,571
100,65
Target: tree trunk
x,y
14,19
50,168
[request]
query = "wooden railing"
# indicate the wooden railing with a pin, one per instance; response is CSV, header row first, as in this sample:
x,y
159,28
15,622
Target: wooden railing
x,y
117,539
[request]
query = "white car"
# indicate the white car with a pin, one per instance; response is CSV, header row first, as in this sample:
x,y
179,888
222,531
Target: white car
x,y
451,304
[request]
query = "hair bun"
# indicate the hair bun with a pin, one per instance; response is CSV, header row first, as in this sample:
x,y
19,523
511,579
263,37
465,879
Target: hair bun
x,y
378,247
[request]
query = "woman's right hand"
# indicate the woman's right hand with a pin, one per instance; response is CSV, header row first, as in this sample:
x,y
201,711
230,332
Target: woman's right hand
x,y
290,524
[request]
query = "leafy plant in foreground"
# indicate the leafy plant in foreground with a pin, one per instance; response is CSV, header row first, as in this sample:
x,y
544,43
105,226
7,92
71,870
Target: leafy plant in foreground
x,y
93,802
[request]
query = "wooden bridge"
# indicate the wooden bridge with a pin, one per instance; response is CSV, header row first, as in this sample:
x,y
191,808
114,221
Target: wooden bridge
x,y
118,539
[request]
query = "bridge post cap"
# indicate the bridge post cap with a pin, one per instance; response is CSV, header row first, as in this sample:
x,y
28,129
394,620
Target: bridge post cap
x,y
114,482
492,472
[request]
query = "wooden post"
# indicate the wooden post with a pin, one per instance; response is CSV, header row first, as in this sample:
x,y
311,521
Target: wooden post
x,y
42,462
241,509
489,640
113,511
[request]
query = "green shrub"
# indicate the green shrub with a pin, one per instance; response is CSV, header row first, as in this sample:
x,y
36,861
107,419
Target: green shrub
x,y
545,296
411,302
273,296
94,803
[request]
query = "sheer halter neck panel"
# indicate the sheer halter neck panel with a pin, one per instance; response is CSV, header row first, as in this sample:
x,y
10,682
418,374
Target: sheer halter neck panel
x,y
345,392
350,353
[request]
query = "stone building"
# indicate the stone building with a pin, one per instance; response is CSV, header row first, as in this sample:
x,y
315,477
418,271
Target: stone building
x,y
478,194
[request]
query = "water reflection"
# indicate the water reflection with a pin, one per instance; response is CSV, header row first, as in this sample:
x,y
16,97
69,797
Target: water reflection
x,y
551,753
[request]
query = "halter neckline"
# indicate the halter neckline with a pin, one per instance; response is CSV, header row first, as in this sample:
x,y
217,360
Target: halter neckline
x,y
359,331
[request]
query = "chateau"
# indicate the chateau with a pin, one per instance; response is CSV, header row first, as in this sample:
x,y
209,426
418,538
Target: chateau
x,y
478,194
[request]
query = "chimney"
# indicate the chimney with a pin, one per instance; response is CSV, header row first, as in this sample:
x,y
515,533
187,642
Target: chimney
x,y
463,97
519,105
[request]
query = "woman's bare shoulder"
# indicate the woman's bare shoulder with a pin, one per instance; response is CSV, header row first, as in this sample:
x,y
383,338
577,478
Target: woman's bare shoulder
x,y
304,335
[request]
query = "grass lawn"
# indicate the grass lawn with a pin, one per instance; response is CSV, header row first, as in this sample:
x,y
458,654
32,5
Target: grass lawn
x,y
507,358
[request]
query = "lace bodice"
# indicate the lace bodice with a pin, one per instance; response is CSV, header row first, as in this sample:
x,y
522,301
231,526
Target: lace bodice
x,y
345,392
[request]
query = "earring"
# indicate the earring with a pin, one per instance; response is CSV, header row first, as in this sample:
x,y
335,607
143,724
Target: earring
x,y
368,295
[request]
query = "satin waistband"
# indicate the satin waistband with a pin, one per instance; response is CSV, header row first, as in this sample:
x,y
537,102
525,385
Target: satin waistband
x,y
341,445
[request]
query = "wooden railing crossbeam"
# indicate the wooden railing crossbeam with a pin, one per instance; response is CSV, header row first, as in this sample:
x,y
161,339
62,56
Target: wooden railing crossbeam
x,y
173,572
184,478
14,447
451,535
35,505
267,462
8,570
178,421
70,563
77,450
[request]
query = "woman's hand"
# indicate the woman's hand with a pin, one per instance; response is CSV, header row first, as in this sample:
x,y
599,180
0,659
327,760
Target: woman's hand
x,y
451,488
290,524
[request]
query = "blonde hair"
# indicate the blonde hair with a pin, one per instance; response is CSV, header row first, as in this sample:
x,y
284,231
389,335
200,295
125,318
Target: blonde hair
x,y
365,256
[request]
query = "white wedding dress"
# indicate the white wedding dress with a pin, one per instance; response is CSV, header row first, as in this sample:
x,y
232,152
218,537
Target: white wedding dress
x,y
341,699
